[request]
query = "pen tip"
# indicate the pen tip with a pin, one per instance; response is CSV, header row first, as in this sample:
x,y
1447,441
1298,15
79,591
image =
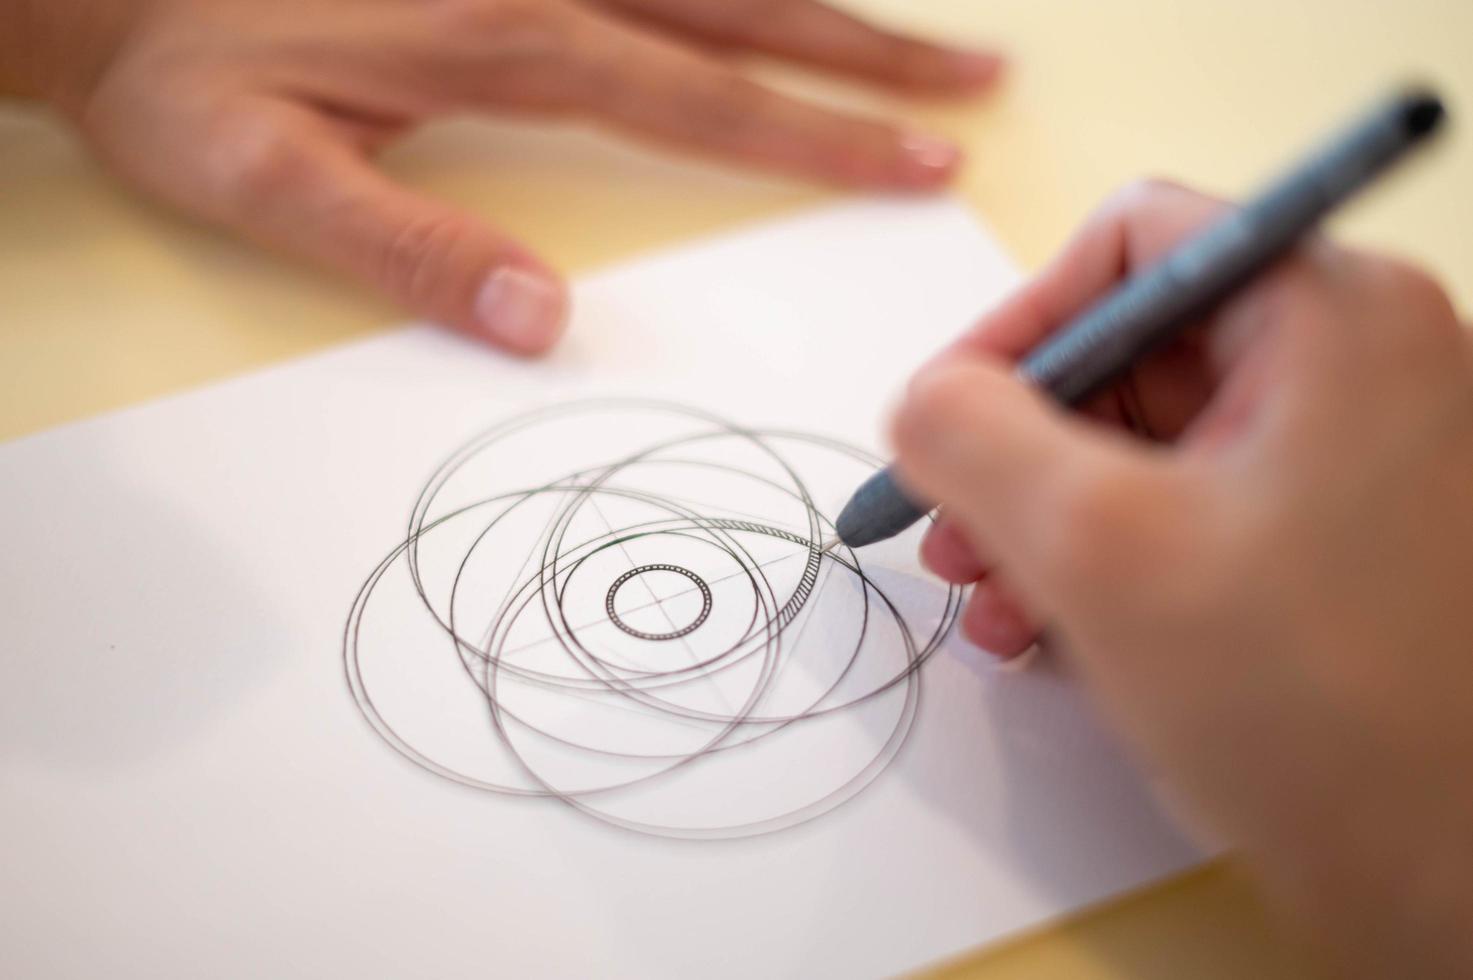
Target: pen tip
x,y
829,544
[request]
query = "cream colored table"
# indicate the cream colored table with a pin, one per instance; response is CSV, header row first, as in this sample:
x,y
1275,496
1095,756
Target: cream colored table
x,y
106,300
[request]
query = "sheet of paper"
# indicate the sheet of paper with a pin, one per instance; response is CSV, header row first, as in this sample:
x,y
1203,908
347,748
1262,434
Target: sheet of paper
x,y
409,659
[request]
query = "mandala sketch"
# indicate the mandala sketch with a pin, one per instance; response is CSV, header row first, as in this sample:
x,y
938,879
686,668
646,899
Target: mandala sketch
x,y
621,605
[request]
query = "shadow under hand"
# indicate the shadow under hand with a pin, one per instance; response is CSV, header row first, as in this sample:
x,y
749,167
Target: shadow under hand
x,y
1038,776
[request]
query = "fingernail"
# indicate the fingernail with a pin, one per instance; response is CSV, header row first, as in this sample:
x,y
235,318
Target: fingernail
x,y
993,622
1011,641
975,67
1001,636
927,160
523,310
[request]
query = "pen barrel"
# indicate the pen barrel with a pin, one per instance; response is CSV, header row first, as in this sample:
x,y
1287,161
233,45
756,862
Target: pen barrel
x,y
1155,304
1181,289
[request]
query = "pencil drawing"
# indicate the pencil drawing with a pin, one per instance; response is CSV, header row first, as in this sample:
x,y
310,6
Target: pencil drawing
x,y
641,622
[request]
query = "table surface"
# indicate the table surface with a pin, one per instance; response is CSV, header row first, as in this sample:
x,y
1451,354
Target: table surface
x,y
109,300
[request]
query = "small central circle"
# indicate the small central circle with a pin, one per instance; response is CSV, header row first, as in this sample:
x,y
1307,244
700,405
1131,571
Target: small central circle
x,y
634,573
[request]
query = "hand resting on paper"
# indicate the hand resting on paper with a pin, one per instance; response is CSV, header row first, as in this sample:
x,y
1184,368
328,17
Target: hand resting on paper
x,y
263,115
1258,551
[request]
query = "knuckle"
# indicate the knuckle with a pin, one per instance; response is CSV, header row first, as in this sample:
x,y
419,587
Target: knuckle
x,y
413,259
1417,322
724,106
1418,291
252,161
518,46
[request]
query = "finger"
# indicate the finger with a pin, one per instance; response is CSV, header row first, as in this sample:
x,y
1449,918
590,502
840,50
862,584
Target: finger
x,y
994,617
1134,228
289,180
817,34
997,622
1034,487
666,92
947,552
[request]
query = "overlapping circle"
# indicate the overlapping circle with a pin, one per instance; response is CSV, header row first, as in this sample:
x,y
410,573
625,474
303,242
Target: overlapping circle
x,y
622,606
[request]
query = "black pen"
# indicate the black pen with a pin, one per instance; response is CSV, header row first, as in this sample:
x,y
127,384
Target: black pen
x,y
1153,305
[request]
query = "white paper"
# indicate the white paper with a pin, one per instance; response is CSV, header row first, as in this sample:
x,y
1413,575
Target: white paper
x,y
190,788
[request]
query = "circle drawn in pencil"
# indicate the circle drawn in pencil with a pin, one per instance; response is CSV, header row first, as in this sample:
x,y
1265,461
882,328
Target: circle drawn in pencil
x,y
621,606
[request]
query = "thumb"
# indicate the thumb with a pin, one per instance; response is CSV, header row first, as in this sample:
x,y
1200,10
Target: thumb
x,y
1055,500
298,185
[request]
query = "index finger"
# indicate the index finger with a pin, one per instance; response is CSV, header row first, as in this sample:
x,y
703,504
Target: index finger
x,y
1134,228
649,85
818,34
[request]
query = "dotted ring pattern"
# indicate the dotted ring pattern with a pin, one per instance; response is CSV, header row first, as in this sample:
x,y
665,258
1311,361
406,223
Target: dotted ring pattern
x,y
634,573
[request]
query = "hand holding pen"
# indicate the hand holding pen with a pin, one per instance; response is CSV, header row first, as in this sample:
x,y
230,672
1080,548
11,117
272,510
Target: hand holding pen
x,y
1256,549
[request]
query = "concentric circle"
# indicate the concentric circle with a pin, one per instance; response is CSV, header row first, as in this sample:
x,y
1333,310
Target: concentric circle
x,y
512,599
611,608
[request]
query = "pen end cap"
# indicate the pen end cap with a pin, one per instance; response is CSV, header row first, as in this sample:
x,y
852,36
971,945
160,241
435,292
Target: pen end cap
x,y
1422,112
